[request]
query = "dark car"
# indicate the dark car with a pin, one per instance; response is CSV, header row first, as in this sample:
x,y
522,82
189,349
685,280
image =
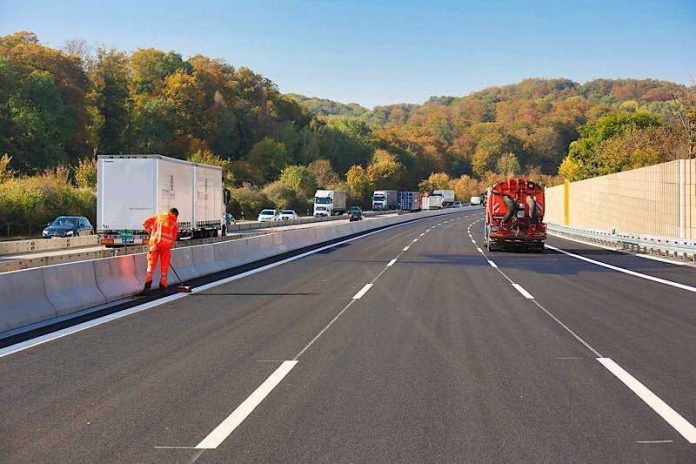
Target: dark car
x,y
68,226
355,213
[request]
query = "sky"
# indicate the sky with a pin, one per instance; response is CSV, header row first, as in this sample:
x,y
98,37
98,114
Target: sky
x,y
377,52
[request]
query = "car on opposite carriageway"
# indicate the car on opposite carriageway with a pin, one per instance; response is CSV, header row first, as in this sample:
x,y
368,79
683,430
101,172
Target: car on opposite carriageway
x,y
268,215
288,215
355,213
68,226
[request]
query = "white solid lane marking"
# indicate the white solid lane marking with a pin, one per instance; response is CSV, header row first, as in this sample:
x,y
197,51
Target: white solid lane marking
x,y
8,350
479,250
671,416
391,263
406,248
222,431
524,292
649,442
362,291
492,264
626,271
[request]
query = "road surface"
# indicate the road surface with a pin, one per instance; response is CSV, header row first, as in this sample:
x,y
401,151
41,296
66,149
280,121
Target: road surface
x,y
407,345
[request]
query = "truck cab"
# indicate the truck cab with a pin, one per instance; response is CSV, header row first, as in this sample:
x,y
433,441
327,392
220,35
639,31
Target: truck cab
x,y
329,203
384,200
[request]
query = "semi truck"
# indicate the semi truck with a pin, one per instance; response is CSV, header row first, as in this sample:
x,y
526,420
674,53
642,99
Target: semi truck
x,y
515,215
329,203
446,198
131,188
410,201
385,199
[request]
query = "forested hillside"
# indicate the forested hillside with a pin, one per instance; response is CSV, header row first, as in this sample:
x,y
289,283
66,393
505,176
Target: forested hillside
x,y
61,107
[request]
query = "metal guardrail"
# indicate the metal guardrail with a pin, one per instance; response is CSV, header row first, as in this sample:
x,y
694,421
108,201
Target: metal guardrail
x,y
668,247
302,220
41,244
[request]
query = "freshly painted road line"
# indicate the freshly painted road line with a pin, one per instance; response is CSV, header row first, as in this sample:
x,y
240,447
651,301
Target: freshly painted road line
x,y
362,291
671,416
222,431
391,263
626,271
8,350
492,264
524,292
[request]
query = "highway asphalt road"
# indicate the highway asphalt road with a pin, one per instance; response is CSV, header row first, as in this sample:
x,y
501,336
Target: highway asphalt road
x,y
407,345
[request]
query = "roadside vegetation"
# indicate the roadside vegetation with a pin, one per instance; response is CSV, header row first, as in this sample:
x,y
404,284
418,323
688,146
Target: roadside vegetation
x,y
60,108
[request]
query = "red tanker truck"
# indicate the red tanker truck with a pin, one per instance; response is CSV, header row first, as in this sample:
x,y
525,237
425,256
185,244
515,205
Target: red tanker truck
x,y
515,215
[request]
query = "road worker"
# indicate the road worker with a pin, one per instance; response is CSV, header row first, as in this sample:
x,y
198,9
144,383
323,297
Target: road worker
x,y
163,230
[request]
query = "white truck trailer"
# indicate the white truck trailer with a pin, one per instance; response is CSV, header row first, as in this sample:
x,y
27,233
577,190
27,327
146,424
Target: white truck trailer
x,y
385,199
446,198
330,203
131,188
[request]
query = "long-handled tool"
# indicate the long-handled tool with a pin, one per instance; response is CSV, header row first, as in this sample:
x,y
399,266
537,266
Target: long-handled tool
x,y
181,288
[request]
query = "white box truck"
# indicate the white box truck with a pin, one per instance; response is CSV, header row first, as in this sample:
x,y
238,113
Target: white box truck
x,y
385,199
475,201
131,188
329,203
447,195
446,198
425,202
434,202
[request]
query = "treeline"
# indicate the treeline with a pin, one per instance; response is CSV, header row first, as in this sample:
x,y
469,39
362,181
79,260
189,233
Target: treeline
x,y
59,108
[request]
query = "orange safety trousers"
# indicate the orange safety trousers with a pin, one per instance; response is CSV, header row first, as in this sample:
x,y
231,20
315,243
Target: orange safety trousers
x,y
163,252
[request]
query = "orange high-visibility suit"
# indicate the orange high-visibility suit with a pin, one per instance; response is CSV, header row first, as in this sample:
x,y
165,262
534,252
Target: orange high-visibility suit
x,y
163,231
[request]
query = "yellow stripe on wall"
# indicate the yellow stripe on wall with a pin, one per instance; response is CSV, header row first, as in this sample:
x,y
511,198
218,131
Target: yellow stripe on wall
x,y
566,202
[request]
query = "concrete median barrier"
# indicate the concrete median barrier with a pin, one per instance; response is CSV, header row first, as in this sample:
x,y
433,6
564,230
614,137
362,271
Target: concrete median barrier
x,y
72,287
23,299
116,277
205,260
225,254
36,295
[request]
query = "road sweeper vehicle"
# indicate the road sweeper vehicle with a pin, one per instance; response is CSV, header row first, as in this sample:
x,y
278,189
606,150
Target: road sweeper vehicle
x,y
515,215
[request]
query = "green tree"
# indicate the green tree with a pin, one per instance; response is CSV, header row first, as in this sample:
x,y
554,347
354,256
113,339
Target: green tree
x,y
358,184
436,181
299,179
323,173
385,171
110,100
508,165
86,173
267,158
582,161
284,197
